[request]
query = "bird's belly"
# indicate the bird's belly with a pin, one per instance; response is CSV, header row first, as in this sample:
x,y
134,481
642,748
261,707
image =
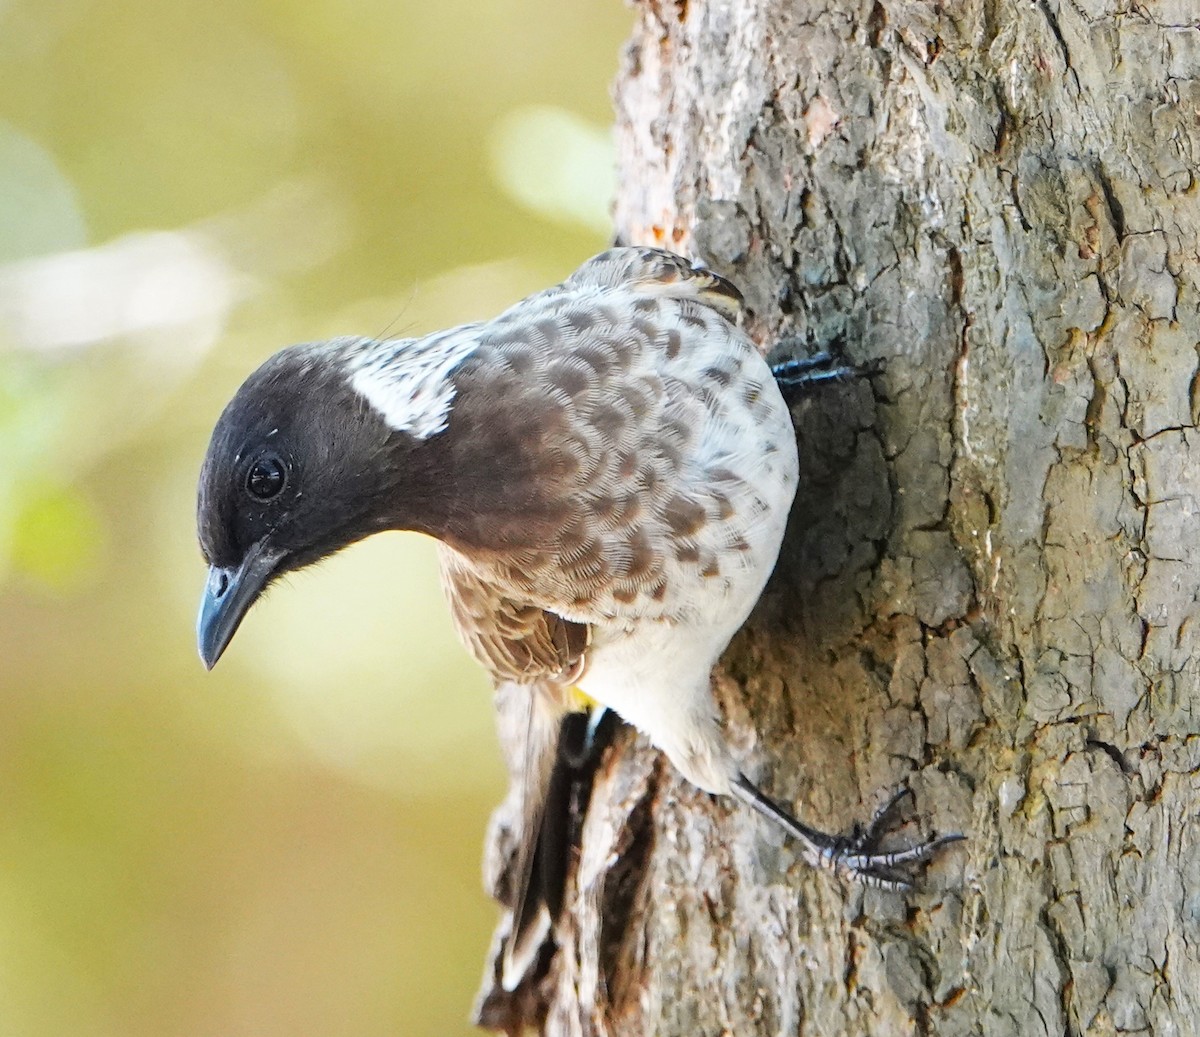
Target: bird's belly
x,y
656,676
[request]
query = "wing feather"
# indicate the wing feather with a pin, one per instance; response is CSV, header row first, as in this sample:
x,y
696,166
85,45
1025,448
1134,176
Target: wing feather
x,y
654,271
513,641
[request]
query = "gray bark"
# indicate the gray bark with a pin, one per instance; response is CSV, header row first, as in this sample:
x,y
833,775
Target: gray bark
x,y
989,590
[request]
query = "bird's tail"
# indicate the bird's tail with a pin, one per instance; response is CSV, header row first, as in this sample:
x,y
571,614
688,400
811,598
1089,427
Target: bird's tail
x,y
552,819
538,828
544,854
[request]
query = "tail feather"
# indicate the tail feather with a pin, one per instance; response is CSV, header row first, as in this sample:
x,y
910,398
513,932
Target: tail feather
x,y
557,787
543,855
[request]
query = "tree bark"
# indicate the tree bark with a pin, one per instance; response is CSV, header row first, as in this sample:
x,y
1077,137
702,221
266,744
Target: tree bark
x,y
989,589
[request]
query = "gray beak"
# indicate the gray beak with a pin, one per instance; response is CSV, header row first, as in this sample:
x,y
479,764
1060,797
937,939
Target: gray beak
x,y
227,598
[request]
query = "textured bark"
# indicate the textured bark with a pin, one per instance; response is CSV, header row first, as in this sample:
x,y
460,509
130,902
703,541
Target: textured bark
x,y
989,591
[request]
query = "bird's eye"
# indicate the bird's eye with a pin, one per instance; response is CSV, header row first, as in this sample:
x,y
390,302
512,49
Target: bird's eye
x,y
266,478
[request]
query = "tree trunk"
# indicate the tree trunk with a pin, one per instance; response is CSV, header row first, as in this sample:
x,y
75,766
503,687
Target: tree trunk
x,y
989,590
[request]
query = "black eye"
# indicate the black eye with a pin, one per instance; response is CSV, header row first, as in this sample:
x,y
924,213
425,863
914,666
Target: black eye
x,y
266,478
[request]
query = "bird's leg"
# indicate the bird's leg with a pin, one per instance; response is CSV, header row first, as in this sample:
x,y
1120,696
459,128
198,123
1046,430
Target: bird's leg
x,y
857,854
798,375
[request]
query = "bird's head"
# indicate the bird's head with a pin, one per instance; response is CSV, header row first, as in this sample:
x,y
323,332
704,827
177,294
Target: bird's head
x,y
299,465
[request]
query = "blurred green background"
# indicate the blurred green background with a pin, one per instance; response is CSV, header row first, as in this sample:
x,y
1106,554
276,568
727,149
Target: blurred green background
x,y
291,844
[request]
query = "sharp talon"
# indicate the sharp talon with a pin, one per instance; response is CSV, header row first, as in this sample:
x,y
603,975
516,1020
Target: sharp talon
x,y
868,835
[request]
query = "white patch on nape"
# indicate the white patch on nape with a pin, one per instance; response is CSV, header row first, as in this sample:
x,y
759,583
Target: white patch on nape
x,y
408,380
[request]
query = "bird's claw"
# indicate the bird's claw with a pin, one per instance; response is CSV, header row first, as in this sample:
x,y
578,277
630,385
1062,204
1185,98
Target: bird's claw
x,y
878,869
865,836
798,375
856,855
859,855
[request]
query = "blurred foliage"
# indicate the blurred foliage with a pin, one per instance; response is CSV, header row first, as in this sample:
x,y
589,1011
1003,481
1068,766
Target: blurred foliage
x,y
291,844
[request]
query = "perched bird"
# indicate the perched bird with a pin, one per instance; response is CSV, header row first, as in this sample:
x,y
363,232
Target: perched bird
x,y
608,467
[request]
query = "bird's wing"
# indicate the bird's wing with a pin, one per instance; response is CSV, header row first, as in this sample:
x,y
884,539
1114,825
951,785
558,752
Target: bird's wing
x,y
653,271
601,436
513,641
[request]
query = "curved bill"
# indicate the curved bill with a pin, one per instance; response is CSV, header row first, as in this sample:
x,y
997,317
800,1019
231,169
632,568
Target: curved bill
x,y
228,595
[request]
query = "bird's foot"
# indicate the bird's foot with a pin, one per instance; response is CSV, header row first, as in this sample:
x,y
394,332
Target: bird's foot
x,y
799,375
856,855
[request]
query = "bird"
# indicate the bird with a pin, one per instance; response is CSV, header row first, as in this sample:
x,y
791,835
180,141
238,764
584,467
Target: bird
x,y
607,468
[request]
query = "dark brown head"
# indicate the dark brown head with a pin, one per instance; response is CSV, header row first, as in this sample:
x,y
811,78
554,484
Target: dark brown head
x,y
300,465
